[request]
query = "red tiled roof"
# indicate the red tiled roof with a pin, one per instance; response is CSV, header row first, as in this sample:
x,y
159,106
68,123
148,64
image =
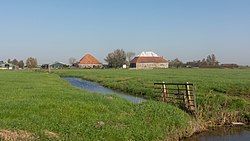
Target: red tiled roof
x,y
148,60
89,59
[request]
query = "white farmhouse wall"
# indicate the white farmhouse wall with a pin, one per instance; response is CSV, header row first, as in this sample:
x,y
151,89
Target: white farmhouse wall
x,y
151,65
90,65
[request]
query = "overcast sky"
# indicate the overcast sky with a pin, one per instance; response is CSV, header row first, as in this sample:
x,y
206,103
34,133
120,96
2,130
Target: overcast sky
x,y
55,30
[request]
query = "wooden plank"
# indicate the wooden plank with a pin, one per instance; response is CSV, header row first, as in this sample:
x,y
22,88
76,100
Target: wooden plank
x,y
194,97
190,101
184,84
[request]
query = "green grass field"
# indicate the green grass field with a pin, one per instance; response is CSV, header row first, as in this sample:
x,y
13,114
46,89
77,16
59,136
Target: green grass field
x,y
40,106
46,107
234,82
221,93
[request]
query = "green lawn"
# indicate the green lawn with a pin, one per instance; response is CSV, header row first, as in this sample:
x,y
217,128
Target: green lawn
x,y
48,108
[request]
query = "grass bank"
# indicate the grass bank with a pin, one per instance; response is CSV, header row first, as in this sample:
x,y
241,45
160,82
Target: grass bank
x,y
223,95
40,106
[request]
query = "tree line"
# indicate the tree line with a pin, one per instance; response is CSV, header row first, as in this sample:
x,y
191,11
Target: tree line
x,y
30,63
119,57
209,62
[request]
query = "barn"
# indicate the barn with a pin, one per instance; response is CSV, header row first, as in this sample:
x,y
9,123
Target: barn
x,y
89,61
7,66
148,60
58,65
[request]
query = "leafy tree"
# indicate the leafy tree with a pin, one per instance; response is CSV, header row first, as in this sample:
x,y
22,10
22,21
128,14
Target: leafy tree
x,y
20,64
116,59
31,62
14,62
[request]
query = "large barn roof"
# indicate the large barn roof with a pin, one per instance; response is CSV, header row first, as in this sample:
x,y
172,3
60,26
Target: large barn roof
x,y
148,60
148,57
89,59
148,54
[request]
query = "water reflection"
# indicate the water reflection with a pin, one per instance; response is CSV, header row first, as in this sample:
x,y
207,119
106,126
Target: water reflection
x,y
95,87
223,134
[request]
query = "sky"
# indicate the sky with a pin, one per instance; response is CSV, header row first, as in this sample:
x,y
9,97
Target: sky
x,y
55,30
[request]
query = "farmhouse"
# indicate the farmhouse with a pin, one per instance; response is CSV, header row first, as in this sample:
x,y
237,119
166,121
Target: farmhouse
x,y
7,66
58,65
148,60
89,61
229,65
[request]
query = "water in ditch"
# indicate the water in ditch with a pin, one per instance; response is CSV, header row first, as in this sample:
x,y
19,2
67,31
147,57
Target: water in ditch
x,y
95,87
223,134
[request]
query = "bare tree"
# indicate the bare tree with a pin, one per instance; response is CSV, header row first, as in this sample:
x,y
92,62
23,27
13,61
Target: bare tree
x,y
72,60
211,61
129,56
214,61
31,62
176,63
116,59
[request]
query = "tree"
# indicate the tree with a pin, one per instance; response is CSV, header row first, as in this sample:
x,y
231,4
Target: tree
x,y
72,60
211,61
176,63
20,64
31,62
214,62
116,59
203,63
14,62
129,56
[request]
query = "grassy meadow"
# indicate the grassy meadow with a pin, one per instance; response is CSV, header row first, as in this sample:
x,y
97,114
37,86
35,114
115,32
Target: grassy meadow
x,y
223,95
42,106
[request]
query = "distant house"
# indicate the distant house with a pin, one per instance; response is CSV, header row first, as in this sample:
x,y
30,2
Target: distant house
x,y
45,66
59,65
148,60
75,65
89,61
229,65
7,66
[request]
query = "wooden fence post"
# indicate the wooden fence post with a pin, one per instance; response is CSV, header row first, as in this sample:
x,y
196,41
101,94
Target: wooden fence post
x,y
184,96
49,68
164,94
189,98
